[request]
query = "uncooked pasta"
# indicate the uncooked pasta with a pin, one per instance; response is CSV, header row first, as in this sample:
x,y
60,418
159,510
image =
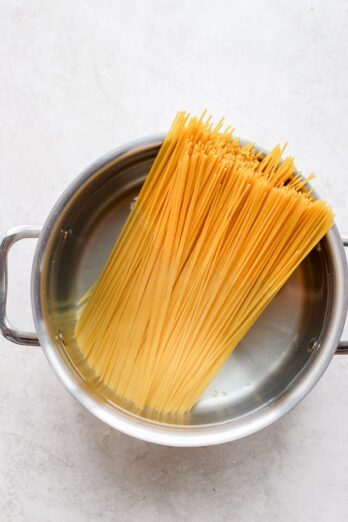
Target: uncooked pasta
x,y
216,231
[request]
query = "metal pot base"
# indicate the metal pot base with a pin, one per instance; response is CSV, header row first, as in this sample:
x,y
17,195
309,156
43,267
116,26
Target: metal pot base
x,y
268,361
274,367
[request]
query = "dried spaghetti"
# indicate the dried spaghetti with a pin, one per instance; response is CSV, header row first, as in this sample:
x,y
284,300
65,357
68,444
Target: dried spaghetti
x,y
216,231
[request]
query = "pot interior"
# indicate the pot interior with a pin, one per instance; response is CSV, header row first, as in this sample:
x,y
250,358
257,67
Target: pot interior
x,y
270,359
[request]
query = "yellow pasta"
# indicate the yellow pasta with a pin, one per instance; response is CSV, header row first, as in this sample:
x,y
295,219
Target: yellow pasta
x,y
216,231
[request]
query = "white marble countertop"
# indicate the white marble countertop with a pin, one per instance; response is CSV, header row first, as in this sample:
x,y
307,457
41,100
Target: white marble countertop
x,y
76,80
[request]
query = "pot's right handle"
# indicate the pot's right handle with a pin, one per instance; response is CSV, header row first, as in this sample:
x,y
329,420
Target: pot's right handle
x,y
6,242
342,348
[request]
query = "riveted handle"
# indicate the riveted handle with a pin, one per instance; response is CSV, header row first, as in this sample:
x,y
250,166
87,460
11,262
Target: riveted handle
x,y
342,348
9,239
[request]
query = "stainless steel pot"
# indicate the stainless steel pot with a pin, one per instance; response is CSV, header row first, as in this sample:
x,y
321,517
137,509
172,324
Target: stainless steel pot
x,y
277,363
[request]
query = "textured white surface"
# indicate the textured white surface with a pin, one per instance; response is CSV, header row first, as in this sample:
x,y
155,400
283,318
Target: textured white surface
x,y
79,78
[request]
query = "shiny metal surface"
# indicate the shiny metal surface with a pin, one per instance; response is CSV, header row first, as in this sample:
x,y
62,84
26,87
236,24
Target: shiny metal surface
x,y
10,238
342,348
276,364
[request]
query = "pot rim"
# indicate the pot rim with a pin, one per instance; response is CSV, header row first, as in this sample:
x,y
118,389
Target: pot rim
x,y
167,434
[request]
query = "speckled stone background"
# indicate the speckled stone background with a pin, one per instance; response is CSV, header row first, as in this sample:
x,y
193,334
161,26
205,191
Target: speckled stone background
x,y
79,78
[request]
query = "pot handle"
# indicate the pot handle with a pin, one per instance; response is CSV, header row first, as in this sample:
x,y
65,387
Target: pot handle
x,y
12,236
342,348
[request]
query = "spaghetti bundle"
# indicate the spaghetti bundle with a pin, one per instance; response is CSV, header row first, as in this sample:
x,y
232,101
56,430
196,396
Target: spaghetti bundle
x,y
216,231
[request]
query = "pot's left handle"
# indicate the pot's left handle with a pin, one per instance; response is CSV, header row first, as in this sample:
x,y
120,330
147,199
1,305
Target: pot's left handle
x,y
6,242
